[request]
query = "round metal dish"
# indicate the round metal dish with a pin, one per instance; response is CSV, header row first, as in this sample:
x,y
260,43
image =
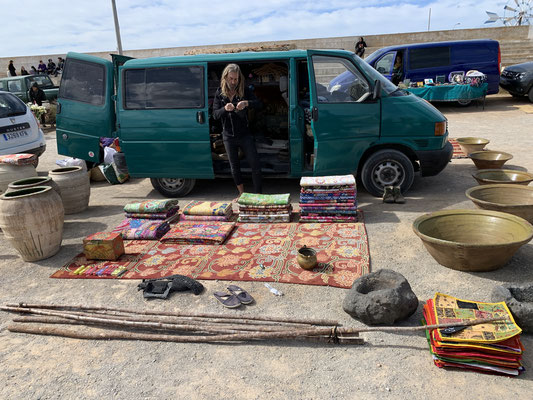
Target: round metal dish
x,y
490,159
507,176
472,144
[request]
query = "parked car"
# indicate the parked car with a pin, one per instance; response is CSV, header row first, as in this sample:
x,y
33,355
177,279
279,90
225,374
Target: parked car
x,y
19,130
428,60
20,86
161,114
518,80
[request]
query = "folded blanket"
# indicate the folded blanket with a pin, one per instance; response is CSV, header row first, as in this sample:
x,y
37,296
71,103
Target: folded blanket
x,y
151,206
145,229
335,206
328,212
274,207
333,180
323,197
342,189
254,199
263,212
322,202
199,233
197,218
161,215
327,219
265,218
207,208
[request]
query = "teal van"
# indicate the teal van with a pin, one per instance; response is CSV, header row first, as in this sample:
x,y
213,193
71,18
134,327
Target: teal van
x,y
160,109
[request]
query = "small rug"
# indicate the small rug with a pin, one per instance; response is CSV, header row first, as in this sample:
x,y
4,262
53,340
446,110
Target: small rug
x,y
457,152
254,252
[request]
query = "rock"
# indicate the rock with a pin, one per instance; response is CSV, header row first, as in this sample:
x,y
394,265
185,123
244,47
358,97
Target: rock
x,y
381,297
519,299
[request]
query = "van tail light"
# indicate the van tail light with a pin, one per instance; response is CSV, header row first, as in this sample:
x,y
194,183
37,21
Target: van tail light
x,y
499,60
440,128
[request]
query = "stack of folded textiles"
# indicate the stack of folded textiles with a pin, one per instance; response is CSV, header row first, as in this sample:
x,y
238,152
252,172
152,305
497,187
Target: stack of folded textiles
x,y
264,207
200,232
207,211
491,347
147,220
328,199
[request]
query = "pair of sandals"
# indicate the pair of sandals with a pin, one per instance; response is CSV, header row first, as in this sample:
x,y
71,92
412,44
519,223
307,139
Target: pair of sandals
x,y
234,298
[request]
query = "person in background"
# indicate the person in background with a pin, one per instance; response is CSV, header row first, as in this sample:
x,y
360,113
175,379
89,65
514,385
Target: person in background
x,y
230,106
37,96
41,67
23,70
33,70
60,64
397,69
360,47
51,67
11,69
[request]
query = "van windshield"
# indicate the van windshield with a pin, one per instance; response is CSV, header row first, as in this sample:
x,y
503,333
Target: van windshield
x,y
386,85
11,106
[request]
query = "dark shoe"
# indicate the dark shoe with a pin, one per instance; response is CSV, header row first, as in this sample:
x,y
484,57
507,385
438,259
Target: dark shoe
x,y
388,195
243,296
227,300
397,194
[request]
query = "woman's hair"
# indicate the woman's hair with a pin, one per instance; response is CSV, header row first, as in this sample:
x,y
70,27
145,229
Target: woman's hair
x,y
224,80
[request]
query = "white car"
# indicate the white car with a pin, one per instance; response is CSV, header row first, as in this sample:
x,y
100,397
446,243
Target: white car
x,y
19,130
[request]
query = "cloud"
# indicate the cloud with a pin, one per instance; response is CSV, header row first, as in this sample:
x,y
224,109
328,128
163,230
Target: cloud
x,y
63,26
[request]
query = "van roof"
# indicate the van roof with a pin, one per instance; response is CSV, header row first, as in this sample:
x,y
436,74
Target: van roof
x,y
228,57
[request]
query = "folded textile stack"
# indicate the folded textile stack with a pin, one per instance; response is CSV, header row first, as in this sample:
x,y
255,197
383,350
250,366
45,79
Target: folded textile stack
x,y
207,211
199,233
142,229
491,347
328,199
152,209
264,207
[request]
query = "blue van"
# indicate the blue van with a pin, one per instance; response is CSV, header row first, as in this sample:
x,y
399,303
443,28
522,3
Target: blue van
x,y
428,60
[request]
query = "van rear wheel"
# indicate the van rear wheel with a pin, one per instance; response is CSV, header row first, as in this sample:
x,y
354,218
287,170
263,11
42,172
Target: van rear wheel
x,y
173,187
387,168
464,103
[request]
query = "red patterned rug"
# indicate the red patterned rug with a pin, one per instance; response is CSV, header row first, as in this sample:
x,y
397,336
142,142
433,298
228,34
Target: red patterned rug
x,y
254,252
457,152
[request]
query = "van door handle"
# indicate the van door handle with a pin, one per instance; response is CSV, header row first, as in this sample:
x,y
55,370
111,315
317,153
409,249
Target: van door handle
x,y
314,114
58,108
200,118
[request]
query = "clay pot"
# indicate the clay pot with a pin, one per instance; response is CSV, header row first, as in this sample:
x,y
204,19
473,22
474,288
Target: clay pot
x,y
75,188
32,221
10,173
32,182
96,175
307,258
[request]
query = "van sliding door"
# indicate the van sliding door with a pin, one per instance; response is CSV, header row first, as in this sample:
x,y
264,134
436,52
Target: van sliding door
x,y
163,119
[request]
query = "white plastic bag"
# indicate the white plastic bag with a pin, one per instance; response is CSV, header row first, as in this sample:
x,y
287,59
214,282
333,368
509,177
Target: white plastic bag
x,y
108,155
72,162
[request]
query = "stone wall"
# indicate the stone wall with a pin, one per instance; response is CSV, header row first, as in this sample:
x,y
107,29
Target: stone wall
x,y
519,38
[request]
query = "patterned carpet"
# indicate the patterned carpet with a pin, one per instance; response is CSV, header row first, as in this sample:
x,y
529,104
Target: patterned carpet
x,y
254,252
457,152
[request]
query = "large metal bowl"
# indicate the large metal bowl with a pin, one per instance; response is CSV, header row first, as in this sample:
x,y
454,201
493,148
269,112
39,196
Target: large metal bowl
x,y
472,144
490,159
512,199
472,240
507,176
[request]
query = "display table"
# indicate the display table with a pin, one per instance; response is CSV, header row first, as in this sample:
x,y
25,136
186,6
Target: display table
x,y
450,92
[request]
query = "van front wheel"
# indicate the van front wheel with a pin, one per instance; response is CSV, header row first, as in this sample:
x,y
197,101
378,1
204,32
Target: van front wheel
x,y
387,168
173,187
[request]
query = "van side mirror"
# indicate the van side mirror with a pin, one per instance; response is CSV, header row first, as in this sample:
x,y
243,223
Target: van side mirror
x,y
376,94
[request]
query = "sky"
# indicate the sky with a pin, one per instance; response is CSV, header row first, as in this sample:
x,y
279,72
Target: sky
x,y
33,27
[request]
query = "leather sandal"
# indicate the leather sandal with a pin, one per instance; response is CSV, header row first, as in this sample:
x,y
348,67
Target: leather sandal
x,y
242,295
227,300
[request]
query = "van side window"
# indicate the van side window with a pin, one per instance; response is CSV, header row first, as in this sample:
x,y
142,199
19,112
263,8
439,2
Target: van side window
x,y
14,86
384,65
164,88
348,84
84,82
429,57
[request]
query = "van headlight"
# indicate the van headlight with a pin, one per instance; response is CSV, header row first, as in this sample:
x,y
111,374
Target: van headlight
x,y
440,128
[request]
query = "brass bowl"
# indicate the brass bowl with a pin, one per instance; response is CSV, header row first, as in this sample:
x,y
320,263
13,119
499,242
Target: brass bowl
x,y
512,199
472,144
472,240
507,176
307,258
490,159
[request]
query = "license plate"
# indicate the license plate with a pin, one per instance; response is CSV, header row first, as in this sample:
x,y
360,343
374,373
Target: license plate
x,y
15,135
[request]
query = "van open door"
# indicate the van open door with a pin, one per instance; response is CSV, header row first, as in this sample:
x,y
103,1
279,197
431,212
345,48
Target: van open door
x,y
345,118
85,110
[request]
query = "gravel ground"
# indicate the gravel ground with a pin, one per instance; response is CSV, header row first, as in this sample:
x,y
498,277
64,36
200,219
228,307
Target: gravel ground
x,y
388,366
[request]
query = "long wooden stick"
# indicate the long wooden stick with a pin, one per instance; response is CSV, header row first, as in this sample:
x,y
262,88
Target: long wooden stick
x,y
184,314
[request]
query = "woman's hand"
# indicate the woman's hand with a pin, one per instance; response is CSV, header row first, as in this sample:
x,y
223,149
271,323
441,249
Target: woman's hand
x,y
230,107
241,105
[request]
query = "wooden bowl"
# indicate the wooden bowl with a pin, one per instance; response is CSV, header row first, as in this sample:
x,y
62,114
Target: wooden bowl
x,y
472,144
507,176
512,199
490,159
472,240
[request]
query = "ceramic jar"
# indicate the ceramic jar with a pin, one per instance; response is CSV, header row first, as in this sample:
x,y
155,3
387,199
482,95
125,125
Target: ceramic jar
x,y
75,188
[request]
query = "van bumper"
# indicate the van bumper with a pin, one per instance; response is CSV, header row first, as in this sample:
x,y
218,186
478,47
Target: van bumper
x,y
434,161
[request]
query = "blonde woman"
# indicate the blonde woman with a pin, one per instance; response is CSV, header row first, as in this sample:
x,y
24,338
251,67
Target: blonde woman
x,y
230,106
